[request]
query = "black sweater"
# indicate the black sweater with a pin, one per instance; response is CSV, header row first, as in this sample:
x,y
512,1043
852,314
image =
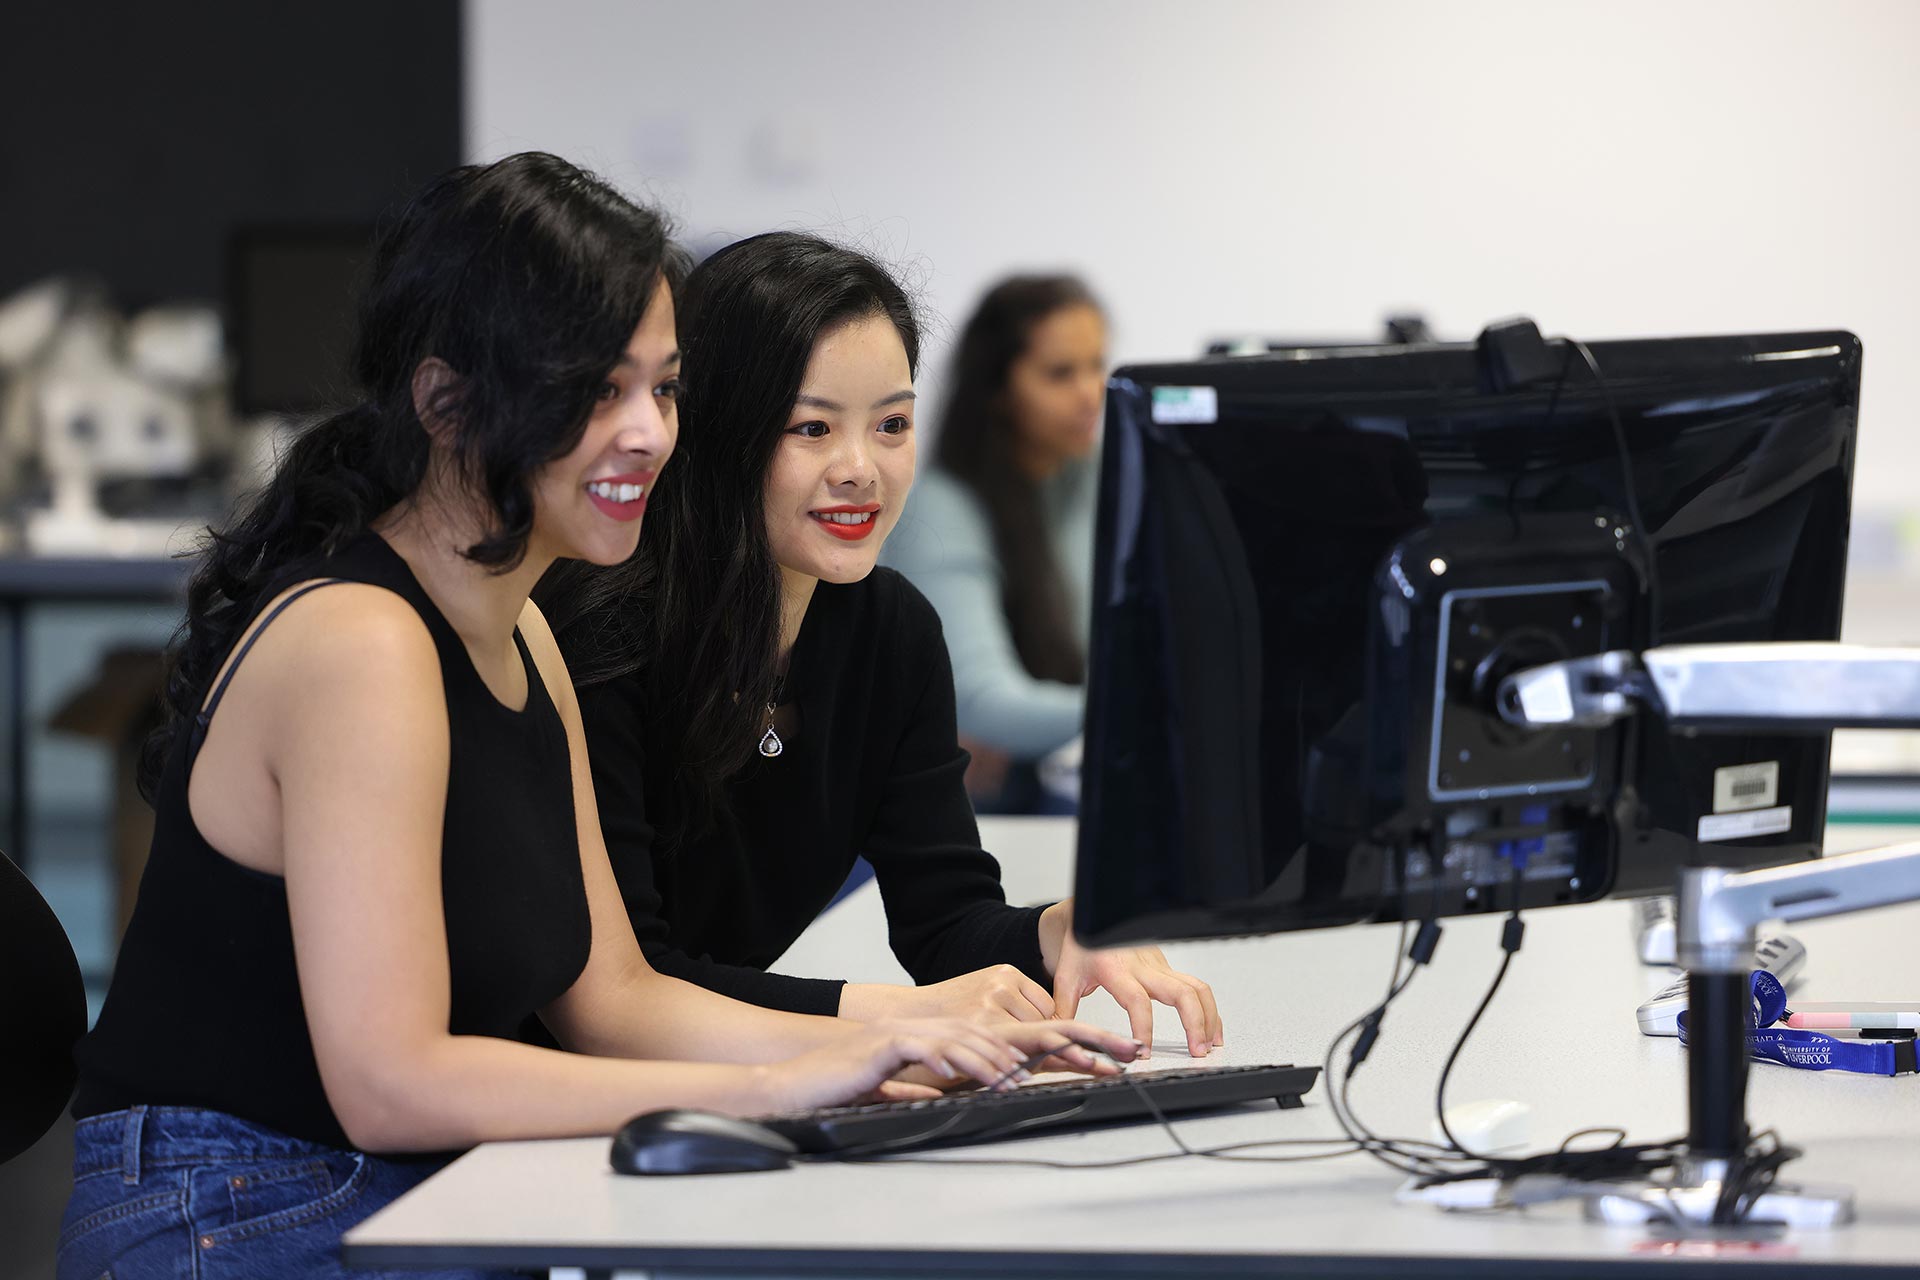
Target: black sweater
x,y
873,767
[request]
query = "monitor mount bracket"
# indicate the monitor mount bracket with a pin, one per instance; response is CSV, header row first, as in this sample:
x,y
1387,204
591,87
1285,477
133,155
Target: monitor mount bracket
x,y
1736,688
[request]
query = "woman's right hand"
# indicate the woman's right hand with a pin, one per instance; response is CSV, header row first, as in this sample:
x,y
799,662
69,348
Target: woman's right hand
x,y
996,993
960,1053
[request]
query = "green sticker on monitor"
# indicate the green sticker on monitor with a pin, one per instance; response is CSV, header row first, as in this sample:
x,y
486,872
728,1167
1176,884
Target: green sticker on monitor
x,y
1186,404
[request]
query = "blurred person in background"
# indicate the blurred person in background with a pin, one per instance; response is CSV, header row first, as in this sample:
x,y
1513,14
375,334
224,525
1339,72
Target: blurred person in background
x,y
1000,539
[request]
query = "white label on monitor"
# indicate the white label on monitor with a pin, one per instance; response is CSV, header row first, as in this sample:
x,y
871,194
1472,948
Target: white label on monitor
x,y
1746,786
1740,826
1186,404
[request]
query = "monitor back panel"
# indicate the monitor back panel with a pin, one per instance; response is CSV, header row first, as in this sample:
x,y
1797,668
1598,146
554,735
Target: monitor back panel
x,y
1247,506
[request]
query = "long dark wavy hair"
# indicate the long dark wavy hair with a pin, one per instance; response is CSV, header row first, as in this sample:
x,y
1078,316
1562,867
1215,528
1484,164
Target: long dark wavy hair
x,y
978,446
696,611
527,277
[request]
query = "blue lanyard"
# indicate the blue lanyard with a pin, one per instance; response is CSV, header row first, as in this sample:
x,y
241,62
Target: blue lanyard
x,y
1811,1050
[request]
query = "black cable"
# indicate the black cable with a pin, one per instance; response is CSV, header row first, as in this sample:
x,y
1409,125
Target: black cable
x,y
1440,1095
1409,1157
1366,1028
1750,1175
1351,1124
1369,1022
1520,472
1619,1137
1430,1164
1510,936
875,1152
1613,1162
1388,1152
1230,1151
1338,1084
1215,1153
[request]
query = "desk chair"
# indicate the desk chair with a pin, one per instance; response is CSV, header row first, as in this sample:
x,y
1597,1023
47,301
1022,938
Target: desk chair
x,y
43,1011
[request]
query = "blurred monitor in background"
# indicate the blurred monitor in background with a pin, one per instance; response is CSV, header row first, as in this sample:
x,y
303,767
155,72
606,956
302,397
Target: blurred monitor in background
x,y
291,293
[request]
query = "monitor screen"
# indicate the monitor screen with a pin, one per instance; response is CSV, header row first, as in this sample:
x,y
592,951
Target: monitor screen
x,y
1272,742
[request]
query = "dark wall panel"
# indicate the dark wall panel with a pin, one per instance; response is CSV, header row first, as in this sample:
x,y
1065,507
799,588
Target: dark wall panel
x,y
133,137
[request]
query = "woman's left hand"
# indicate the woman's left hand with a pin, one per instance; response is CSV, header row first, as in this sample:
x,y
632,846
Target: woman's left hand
x,y
1136,977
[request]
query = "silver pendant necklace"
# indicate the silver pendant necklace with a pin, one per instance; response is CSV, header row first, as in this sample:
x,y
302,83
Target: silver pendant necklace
x,y
770,744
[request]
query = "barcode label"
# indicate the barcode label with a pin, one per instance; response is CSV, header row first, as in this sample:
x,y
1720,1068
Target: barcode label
x,y
1746,786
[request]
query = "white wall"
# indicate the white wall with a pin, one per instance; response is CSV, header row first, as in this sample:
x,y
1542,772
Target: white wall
x,y
1610,167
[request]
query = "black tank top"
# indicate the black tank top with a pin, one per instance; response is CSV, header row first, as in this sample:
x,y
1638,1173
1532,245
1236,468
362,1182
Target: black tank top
x,y
204,1008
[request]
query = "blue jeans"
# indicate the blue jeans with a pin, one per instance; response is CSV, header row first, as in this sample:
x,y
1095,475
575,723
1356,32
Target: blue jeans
x,y
178,1193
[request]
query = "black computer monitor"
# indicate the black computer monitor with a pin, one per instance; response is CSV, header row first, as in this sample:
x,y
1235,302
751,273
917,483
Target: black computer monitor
x,y
1313,570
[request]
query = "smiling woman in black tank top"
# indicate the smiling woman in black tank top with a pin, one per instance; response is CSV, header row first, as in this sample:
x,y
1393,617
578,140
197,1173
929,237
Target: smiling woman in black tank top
x,y
376,853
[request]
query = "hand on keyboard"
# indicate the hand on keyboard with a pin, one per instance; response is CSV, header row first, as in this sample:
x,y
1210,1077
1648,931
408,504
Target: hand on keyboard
x,y
1136,977
945,1051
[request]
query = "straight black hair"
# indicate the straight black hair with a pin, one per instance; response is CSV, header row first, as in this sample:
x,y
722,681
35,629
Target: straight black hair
x,y
696,611
978,447
527,277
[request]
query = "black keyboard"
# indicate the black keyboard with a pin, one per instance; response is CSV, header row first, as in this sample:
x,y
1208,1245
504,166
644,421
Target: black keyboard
x,y
983,1116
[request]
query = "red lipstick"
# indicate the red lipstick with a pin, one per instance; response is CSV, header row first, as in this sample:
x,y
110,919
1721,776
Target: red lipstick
x,y
847,531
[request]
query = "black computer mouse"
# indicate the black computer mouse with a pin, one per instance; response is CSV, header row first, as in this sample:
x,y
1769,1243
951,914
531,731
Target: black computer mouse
x,y
680,1140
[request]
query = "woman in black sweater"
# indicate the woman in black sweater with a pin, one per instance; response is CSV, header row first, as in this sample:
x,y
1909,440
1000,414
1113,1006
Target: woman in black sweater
x,y
763,706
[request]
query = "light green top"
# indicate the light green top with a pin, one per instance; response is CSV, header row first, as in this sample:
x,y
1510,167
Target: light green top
x,y
944,545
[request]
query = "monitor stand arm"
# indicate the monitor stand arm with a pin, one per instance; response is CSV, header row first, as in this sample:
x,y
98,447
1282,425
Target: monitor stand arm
x,y
1727,688
1736,687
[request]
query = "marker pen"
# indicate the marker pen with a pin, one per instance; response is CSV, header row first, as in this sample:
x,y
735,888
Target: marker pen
x,y
1859,1015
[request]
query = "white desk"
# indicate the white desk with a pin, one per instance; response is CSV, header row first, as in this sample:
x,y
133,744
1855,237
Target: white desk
x,y
1561,1036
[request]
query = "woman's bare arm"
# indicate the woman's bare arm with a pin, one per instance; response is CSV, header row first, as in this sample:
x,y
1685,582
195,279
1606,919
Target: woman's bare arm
x,y
353,730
